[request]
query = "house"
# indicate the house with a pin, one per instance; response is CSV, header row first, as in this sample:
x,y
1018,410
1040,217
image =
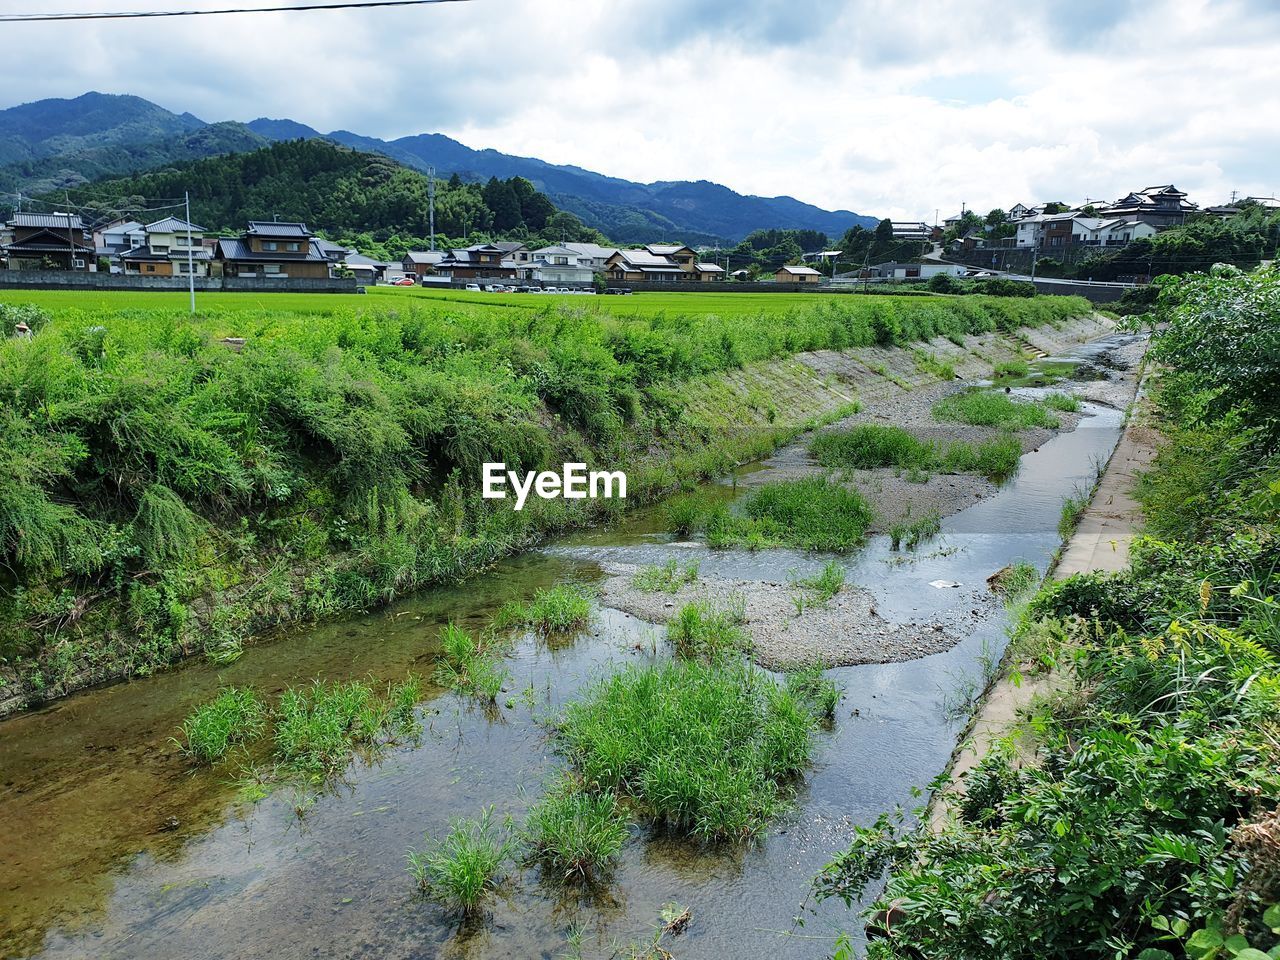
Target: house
x,y
793,274
741,276
1033,227
638,266
115,237
893,270
912,230
165,248
271,250
555,264
482,260
421,263
333,252
371,272
1160,206
709,272
47,241
592,254
1017,212
683,257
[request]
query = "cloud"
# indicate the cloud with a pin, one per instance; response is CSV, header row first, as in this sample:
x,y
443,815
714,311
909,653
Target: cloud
x,y
886,107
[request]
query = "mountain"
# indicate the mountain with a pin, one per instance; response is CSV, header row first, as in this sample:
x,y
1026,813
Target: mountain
x,y
53,144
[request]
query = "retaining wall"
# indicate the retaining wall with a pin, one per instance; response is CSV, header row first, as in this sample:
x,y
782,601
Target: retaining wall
x,y
72,280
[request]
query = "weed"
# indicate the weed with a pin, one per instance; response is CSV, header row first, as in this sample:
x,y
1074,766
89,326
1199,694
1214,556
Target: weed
x,y
560,608
705,748
317,727
234,716
574,833
1073,508
812,513
870,445
1011,368
460,869
686,513
819,693
1062,401
702,629
986,409
928,363
470,666
668,578
911,533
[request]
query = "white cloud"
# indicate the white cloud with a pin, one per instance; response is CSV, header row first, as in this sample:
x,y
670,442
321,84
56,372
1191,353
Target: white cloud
x,y
884,106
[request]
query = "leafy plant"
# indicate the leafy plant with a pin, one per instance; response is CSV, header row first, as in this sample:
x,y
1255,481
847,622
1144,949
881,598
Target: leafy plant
x,y
465,865
576,834
234,716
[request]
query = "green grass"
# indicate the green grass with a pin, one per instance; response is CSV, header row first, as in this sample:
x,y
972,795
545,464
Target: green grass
x,y
708,749
234,716
576,835
470,666
825,584
986,409
667,578
704,629
1073,508
557,609
928,363
316,728
812,513
1011,368
1062,401
460,869
910,533
869,446
812,687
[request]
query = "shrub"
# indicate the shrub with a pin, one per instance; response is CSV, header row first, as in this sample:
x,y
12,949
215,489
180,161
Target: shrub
x,y
458,870
574,833
234,716
708,749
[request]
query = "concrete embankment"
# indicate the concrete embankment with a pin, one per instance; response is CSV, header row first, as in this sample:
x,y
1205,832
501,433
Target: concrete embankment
x,y
1101,542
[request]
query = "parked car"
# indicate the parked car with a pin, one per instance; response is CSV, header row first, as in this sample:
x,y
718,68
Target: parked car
x,y
403,282
473,288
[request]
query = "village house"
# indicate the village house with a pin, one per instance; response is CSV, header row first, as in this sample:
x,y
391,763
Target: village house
x,y
270,250
913,230
1160,206
165,248
1017,212
47,241
794,274
421,263
708,272
555,264
639,266
481,261
591,254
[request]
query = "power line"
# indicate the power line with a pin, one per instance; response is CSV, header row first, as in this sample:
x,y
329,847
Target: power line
x,y
150,14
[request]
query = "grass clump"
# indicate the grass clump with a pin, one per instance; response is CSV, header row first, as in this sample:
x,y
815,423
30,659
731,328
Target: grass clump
x,y
812,513
1011,368
234,716
812,687
868,446
556,609
930,364
668,578
460,869
686,513
910,533
575,833
825,584
1064,402
317,728
708,749
470,666
1073,508
702,629
985,409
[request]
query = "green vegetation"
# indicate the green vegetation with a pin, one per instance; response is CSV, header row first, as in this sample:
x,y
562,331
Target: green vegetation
x,y
825,584
1073,508
166,494
812,513
470,666
708,749
812,687
986,409
576,834
465,865
556,609
668,578
1011,368
318,727
870,445
709,631
911,533
1063,402
928,363
1134,813
234,716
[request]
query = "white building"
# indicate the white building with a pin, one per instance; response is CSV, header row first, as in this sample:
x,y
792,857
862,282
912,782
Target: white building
x,y
556,264
166,248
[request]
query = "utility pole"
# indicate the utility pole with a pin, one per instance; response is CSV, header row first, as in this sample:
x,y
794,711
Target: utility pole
x,y
71,263
431,203
191,272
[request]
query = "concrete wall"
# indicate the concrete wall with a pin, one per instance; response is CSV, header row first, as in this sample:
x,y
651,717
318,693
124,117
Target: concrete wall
x,y
64,280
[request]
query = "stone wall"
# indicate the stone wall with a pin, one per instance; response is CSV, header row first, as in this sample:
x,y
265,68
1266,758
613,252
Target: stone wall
x,y
68,280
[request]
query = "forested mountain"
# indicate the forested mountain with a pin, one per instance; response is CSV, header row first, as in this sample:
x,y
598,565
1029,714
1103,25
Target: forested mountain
x,y
365,198
57,143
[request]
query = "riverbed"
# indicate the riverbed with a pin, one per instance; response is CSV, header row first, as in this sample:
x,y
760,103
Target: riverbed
x,y
113,845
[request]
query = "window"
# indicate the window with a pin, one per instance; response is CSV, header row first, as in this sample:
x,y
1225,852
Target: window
x,y
151,268
79,264
270,245
293,247
271,268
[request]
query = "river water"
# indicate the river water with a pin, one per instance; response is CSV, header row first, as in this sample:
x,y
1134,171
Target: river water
x,y
111,845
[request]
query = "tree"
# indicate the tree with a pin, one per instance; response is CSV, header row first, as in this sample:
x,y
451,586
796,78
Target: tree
x,y
502,202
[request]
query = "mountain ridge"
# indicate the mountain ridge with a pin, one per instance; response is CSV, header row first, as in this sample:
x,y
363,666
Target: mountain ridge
x,y
51,144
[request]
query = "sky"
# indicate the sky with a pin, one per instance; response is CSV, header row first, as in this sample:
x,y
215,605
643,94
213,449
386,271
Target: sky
x,y
884,107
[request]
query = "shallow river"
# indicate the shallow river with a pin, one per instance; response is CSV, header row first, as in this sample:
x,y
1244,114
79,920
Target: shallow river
x,y
112,846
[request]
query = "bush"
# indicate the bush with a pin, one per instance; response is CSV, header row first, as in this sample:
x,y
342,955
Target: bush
x,y
709,749
465,865
234,716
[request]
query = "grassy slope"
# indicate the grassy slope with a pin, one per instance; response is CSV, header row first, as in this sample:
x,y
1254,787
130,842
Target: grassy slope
x,y
168,494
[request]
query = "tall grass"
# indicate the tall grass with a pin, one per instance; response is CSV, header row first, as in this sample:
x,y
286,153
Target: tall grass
x,y
558,608
708,749
470,666
986,409
316,728
812,513
705,629
575,834
667,578
868,446
235,715
465,865
911,533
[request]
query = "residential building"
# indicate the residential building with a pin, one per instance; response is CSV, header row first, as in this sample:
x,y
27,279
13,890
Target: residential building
x,y
912,230
794,274
481,261
514,251
271,250
421,263
165,248
1017,212
592,254
1160,206
555,264
683,257
915,271
1103,232
47,241
114,238
638,266
709,272
333,252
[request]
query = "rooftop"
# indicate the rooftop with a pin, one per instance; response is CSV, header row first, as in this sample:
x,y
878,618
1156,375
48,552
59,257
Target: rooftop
x,y
271,228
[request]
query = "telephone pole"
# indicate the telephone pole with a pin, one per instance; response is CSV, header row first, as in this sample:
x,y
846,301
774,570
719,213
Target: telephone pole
x,y
431,203
71,263
191,272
